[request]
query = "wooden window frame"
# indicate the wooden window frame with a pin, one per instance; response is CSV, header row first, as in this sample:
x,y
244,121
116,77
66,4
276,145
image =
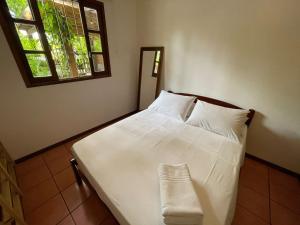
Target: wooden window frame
x,y
8,25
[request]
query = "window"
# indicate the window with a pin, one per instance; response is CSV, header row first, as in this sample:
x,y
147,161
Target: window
x,y
56,41
156,64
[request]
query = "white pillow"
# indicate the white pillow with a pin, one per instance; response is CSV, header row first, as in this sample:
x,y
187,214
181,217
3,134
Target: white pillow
x,y
224,121
173,105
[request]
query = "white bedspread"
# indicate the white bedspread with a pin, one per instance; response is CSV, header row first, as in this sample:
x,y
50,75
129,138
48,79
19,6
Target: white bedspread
x,y
121,163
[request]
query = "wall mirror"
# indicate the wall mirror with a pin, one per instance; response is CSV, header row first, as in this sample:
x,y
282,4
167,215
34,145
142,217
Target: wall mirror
x,y
151,59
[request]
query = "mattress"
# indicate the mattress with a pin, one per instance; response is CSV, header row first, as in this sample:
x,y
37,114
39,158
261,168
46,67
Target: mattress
x,y
121,163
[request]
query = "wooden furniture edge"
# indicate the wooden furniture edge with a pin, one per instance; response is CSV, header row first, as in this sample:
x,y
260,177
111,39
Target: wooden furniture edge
x,y
11,209
75,169
220,103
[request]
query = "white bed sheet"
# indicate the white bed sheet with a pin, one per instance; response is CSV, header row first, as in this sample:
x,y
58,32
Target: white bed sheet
x,y
121,163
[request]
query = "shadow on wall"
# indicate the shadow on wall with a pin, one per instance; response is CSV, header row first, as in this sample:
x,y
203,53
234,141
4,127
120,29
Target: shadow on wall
x,y
262,140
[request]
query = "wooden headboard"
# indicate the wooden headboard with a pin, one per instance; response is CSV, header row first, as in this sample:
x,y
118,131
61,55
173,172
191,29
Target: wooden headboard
x,y
220,103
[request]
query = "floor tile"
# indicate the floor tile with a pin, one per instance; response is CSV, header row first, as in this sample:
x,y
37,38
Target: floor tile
x,y
69,144
55,153
244,217
91,212
284,180
29,165
64,178
285,197
50,213
33,178
57,165
39,194
254,202
110,220
254,175
75,194
44,206
67,221
283,216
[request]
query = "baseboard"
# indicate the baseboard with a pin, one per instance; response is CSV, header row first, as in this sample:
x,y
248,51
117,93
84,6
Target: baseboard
x,y
74,137
287,171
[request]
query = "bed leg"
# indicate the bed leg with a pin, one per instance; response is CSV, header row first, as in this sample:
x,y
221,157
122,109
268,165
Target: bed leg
x,y
74,165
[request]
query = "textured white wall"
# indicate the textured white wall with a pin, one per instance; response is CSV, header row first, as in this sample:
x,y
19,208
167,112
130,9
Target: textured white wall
x,y
33,118
244,52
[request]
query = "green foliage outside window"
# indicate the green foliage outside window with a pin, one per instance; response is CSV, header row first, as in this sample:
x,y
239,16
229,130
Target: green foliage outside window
x,y
64,42
61,37
17,7
38,65
95,42
57,32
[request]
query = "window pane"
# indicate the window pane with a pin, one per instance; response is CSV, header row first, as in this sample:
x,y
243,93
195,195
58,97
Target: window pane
x,y
95,42
91,19
19,9
38,65
29,36
64,31
81,55
98,62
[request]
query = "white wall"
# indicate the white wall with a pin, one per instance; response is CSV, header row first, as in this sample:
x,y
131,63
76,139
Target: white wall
x,y
33,118
244,52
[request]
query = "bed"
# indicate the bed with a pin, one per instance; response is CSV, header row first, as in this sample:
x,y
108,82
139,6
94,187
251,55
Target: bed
x,y
121,161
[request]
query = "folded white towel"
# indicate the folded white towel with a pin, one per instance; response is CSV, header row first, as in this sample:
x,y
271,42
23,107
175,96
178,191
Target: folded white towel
x,y
179,202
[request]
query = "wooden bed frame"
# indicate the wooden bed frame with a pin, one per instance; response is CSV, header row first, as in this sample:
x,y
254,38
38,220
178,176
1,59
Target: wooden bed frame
x,y
79,175
220,103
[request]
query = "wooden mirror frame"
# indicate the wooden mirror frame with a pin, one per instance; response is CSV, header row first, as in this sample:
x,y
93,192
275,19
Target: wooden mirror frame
x,y
153,49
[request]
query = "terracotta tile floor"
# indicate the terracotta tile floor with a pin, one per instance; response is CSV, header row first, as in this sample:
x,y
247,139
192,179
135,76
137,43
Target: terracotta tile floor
x,y
51,195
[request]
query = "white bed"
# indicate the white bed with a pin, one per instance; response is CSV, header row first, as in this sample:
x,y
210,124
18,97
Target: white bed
x,y
121,163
